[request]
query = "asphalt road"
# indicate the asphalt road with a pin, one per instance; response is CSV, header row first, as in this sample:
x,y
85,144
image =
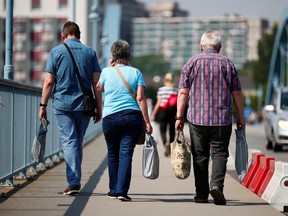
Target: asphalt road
x,y
255,135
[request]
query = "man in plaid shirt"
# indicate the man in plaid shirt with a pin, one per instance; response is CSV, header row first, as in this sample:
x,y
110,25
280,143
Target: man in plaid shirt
x,y
207,82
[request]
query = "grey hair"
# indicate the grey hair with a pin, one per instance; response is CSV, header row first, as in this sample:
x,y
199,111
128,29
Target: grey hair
x,y
211,38
120,50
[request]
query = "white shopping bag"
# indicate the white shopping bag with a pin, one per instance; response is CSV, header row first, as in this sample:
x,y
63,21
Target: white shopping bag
x,y
150,158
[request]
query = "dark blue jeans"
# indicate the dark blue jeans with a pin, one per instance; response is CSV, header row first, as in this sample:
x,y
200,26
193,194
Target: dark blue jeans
x,y
206,140
121,131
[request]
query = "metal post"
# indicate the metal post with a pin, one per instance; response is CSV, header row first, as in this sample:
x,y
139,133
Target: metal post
x,y
8,67
104,44
94,17
259,96
73,10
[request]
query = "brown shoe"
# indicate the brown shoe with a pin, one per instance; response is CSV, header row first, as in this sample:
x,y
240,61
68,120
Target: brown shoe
x,y
167,150
199,200
72,190
218,196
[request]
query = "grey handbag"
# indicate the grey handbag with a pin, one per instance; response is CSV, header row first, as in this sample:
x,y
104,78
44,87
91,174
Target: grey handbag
x,y
241,156
38,146
150,158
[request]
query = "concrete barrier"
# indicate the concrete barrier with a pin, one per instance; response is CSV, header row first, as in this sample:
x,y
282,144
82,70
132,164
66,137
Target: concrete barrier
x,y
276,192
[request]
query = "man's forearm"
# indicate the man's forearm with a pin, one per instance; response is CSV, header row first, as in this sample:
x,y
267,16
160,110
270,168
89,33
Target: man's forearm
x,y
47,89
238,102
182,101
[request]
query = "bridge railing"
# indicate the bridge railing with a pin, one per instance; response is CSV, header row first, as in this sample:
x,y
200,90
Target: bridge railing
x,y
19,106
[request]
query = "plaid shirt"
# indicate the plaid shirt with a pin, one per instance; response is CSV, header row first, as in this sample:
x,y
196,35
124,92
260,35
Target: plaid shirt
x,y
211,78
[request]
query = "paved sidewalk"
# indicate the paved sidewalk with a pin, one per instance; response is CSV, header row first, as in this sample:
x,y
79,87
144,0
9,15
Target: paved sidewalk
x,y
166,195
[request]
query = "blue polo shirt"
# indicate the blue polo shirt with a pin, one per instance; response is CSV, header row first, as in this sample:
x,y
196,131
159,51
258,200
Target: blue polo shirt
x,y
67,93
117,96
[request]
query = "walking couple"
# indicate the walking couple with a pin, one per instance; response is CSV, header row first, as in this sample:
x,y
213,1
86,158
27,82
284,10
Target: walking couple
x,y
207,82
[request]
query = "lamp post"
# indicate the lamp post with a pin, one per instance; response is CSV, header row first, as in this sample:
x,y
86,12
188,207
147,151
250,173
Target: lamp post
x,y
94,18
105,50
8,67
73,10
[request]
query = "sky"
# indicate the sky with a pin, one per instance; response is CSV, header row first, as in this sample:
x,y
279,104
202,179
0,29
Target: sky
x,y
273,10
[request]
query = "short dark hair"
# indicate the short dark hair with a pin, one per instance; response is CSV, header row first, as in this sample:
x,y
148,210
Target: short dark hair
x,y
120,50
71,28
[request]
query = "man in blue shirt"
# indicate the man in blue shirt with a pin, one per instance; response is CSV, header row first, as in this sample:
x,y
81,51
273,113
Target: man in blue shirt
x,y
61,79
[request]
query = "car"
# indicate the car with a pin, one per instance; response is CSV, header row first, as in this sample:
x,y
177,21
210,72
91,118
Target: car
x,y
276,119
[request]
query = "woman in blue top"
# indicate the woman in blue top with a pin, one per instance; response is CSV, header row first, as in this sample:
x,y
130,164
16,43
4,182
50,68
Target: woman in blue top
x,y
122,117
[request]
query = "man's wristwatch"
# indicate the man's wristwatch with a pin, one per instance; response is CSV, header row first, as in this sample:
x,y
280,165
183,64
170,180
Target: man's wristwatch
x,y
43,105
179,118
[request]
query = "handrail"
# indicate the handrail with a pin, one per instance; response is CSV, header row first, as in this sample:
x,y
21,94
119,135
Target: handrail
x,y
19,104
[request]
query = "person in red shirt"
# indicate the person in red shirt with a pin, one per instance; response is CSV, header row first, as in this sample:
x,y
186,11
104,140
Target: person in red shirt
x,y
165,108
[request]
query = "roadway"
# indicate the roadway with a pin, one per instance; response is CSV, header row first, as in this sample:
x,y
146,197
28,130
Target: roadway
x,y
256,140
164,196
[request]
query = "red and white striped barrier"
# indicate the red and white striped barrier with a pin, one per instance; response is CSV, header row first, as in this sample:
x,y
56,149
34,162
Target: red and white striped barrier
x,y
268,179
254,165
260,174
276,192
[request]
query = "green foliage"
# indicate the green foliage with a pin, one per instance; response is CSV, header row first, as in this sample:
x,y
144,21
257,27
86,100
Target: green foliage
x,y
259,69
151,92
151,65
253,102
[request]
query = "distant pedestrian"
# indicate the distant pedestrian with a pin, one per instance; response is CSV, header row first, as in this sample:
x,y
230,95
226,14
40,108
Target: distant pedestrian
x,y
122,117
208,82
62,81
165,110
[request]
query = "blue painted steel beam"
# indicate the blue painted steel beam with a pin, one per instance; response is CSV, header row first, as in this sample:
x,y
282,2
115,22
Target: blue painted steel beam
x,y
278,67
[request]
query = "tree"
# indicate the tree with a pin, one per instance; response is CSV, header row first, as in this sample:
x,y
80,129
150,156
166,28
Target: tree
x,y
151,65
259,69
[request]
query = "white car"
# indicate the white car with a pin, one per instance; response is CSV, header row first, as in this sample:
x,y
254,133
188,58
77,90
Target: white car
x,y
276,119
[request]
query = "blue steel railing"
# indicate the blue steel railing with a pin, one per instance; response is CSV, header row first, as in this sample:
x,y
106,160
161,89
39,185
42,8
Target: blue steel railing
x,y
19,106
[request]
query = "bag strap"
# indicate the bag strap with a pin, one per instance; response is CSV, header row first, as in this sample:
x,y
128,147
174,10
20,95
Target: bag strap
x,y
180,135
75,67
125,82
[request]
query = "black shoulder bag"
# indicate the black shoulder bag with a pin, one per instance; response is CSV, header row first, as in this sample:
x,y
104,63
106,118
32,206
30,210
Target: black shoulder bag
x,y
89,106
